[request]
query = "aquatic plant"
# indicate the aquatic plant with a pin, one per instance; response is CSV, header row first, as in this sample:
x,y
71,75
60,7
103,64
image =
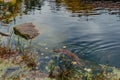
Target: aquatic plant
x,y
30,61
62,67
26,59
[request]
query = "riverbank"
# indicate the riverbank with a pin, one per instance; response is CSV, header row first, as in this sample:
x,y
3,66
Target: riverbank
x,y
14,69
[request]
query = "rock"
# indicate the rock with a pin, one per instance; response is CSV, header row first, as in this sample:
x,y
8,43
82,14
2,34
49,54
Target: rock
x,y
4,34
115,12
26,30
36,75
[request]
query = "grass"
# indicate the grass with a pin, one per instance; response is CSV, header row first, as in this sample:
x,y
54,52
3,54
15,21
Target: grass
x,y
7,53
10,60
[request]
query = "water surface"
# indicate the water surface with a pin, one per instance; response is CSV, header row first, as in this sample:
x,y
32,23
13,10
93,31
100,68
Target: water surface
x,y
94,37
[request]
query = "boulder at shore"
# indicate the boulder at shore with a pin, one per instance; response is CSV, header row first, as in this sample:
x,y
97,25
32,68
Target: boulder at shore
x,y
26,30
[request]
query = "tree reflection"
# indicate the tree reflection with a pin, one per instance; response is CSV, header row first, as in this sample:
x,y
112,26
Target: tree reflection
x,y
55,5
85,7
9,10
33,4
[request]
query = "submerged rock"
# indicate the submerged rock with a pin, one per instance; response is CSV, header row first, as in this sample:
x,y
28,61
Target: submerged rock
x,y
4,34
26,30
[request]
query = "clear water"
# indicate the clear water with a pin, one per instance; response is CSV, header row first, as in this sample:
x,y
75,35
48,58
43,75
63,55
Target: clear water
x,y
94,37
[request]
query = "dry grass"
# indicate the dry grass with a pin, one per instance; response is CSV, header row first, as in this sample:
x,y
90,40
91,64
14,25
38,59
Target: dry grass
x,y
7,53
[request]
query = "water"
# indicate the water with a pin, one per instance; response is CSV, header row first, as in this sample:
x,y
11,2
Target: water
x,y
94,37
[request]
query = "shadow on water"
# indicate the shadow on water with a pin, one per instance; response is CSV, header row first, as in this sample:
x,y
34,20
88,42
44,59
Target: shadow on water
x,y
89,29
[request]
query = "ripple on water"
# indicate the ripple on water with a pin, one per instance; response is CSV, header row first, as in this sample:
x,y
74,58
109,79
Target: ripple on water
x,y
100,50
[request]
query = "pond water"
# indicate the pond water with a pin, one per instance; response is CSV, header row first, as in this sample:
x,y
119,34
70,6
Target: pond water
x,y
94,37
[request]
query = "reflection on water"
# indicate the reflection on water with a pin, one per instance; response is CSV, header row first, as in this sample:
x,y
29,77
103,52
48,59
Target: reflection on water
x,y
89,29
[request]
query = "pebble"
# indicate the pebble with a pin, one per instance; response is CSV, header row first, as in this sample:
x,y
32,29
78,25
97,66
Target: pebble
x,y
46,48
74,62
46,57
64,47
42,54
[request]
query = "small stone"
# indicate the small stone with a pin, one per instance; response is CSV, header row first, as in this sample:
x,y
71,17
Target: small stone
x,y
47,68
4,34
74,63
64,47
37,67
46,48
46,57
7,13
38,63
42,54
87,69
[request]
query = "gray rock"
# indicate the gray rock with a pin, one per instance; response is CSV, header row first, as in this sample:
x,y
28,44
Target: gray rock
x,y
26,30
4,34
